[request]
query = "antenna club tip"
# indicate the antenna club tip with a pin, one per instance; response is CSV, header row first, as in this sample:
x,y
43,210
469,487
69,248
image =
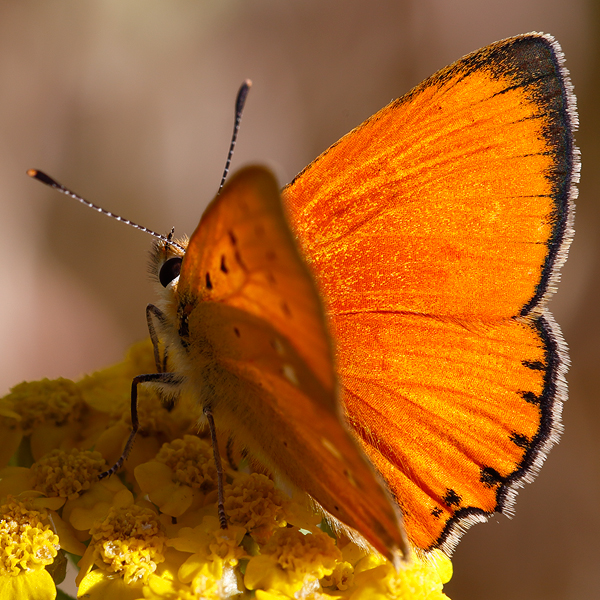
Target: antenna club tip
x,y
248,82
41,176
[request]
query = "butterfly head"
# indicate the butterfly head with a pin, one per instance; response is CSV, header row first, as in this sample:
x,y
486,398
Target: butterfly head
x,y
165,260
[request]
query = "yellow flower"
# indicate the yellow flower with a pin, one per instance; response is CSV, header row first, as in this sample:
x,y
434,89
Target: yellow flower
x,y
54,482
27,545
129,543
253,502
67,474
95,504
341,578
51,412
208,543
211,581
291,561
376,579
210,572
57,477
160,588
180,476
155,535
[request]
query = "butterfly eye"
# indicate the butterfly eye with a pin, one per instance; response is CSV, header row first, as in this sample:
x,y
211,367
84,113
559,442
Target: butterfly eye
x,y
169,271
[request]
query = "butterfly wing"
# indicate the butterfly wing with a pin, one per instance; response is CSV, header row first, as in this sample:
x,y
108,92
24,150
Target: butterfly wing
x,y
257,350
435,231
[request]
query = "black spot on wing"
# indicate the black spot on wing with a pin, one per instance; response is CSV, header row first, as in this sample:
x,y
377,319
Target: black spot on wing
x,y
452,498
534,365
436,512
490,477
209,284
531,397
224,265
520,440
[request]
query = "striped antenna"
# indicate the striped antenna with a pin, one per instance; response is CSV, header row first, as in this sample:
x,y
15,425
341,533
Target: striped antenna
x,y
41,176
239,109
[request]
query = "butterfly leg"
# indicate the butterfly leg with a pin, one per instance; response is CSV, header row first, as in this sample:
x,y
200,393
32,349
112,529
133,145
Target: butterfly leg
x,y
151,313
163,378
220,475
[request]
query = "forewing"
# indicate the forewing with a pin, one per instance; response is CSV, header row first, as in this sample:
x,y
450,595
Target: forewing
x,y
258,351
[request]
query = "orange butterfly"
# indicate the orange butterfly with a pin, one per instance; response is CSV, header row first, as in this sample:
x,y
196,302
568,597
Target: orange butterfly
x,y
435,232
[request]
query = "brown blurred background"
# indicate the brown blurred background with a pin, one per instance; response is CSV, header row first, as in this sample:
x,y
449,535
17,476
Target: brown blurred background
x,y
130,104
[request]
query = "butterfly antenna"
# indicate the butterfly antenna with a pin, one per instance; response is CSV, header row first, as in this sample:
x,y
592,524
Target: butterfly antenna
x,y
41,176
239,109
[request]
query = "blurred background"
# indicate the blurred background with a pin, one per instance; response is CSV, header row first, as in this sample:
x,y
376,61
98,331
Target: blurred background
x,y
131,104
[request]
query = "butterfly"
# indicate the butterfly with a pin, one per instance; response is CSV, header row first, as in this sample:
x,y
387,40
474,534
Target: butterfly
x,y
377,332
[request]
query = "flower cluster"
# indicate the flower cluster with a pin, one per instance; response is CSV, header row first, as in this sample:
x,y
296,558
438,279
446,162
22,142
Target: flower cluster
x,y
152,531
